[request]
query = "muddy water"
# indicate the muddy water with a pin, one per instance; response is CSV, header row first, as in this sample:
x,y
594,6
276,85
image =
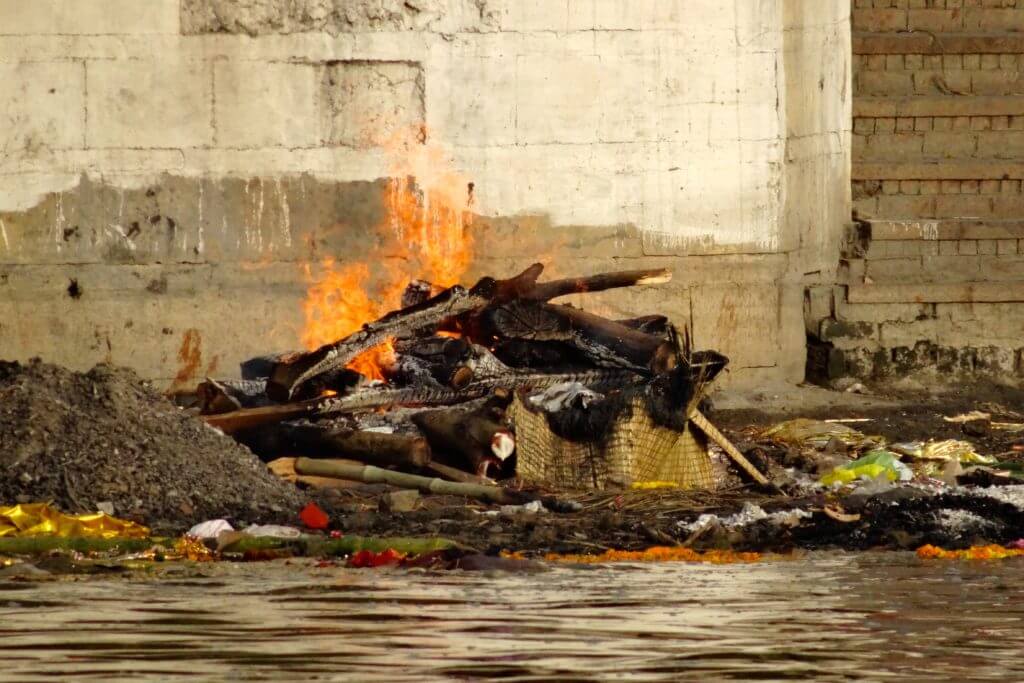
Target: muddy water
x,y
821,618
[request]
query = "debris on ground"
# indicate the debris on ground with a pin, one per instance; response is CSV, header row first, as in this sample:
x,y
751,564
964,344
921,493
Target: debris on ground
x,y
104,436
41,519
489,428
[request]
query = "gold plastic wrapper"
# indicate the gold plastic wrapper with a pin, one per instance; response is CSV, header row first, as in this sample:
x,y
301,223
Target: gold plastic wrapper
x,y
40,519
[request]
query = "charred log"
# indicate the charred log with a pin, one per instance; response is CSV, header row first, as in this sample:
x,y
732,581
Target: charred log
x,y
250,418
374,448
469,434
545,291
292,372
604,342
376,397
649,324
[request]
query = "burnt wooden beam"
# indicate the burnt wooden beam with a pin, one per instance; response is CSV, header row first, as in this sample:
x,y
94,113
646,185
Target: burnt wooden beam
x,y
374,448
288,374
545,291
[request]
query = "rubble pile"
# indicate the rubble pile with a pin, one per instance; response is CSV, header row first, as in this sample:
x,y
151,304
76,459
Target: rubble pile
x,y
103,440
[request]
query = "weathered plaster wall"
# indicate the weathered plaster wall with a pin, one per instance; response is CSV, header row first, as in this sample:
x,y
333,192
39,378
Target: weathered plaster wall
x,y
180,160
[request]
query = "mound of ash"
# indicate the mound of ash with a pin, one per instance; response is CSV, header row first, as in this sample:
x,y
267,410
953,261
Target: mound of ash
x,y
83,440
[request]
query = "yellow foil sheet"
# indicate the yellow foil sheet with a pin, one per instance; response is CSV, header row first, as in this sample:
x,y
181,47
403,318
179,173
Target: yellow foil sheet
x,y
40,519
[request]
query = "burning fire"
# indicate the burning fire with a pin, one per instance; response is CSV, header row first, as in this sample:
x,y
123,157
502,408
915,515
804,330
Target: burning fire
x,y
425,229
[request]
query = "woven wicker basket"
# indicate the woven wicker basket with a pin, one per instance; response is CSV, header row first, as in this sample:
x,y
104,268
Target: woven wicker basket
x,y
636,449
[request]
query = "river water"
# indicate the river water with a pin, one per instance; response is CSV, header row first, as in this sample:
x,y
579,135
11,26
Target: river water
x,y
822,617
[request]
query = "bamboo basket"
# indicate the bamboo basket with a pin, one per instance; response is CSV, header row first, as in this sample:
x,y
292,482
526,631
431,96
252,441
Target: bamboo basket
x,y
636,449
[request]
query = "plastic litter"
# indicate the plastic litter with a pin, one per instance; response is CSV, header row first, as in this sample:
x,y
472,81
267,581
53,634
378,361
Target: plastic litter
x,y
806,433
951,449
532,508
211,528
972,416
875,464
565,395
749,514
272,531
313,517
40,519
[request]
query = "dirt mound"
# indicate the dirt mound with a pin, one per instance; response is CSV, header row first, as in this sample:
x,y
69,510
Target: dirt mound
x,y
82,439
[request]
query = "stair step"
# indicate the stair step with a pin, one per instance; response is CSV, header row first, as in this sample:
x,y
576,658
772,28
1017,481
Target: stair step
x,y
938,170
924,43
964,292
946,105
948,229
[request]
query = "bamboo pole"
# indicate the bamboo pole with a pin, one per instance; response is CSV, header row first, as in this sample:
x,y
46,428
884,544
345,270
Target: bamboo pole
x,y
712,433
375,475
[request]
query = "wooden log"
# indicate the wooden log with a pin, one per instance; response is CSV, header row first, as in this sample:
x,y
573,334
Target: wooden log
x,y
650,324
465,433
375,475
545,291
427,360
723,442
249,418
377,448
291,373
455,474
214,398
604,342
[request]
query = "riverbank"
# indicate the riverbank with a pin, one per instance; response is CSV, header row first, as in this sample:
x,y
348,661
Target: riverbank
x,y
104,441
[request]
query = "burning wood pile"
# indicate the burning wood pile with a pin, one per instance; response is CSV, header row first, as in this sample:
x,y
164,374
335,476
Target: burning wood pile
x,y
453,366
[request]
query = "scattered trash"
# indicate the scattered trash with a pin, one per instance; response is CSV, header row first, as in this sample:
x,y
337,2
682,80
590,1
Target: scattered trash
x,y
532,508
272,531
871,466
951,449
836,512
806,433
968,417
209,529
313,517
749,514
566,395
983,552
40,519
656,554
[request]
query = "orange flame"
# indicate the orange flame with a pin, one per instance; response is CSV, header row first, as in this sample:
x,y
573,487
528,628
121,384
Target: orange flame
x,y
425,229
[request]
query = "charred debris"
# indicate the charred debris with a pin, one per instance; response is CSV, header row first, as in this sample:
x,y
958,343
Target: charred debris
x,y
453,361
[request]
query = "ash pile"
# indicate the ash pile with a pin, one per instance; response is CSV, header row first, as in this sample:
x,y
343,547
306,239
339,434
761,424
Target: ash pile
x,y
462,375
106,440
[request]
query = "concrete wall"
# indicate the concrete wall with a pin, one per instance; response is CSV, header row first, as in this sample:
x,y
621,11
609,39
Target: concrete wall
x,y
167,167
934,277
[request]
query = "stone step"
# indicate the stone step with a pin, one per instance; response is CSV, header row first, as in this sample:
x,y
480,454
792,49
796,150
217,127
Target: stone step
x,y
948,169
942,43
958,268
938,106
947,229
922,293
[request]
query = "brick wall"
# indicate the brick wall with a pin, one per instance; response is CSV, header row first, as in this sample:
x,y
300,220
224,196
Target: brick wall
x,y
933,277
